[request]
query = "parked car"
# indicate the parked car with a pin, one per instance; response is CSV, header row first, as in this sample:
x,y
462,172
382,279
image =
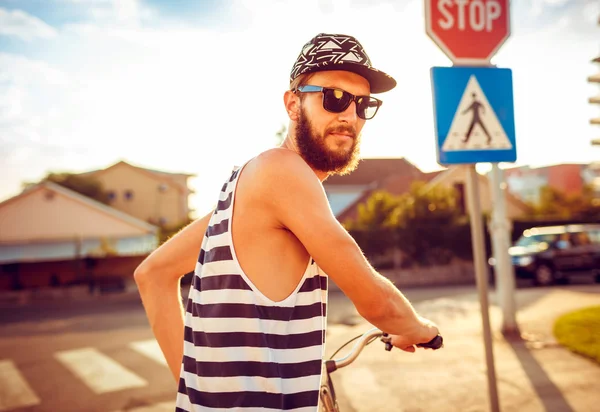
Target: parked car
x,y
549,254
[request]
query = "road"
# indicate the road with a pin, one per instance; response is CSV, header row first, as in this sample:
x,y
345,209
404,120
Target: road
x,y
100,355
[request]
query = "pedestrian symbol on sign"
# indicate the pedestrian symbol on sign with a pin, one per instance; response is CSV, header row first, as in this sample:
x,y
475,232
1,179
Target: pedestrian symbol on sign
x,y
475,108
475,125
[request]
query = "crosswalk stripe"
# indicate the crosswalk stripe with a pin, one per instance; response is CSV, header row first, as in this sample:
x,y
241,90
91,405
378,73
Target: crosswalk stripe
x,y
150,349
371,396
99,372
14,390
157,407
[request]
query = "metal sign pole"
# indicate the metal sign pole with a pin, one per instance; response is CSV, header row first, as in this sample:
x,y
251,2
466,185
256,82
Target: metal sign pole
x,y
505,275
475,215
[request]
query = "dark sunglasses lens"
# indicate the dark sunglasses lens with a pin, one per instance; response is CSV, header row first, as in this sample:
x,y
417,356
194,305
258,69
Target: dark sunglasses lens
x,y
336,100
366,107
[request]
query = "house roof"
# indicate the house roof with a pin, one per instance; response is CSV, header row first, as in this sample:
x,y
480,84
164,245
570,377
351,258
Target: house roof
x,y
374,170
156,174
164,173
137,226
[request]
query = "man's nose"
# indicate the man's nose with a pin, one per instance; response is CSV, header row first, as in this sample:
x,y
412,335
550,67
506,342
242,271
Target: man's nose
x,y
349,115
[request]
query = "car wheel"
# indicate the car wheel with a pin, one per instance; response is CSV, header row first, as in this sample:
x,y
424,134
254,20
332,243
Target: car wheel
x,y
544,275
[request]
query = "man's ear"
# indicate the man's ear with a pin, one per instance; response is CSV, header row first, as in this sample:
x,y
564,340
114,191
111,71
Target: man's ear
x,y
292,105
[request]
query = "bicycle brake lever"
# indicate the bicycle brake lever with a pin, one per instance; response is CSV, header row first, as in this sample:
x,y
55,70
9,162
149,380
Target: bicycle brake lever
x,y
388,341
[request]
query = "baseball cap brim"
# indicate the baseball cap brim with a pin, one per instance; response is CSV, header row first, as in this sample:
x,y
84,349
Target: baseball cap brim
x,y
379,81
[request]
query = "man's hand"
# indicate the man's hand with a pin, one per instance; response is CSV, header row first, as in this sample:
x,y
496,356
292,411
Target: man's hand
x,y
425,331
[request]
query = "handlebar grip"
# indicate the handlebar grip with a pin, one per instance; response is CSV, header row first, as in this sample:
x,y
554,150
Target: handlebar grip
x,y
435,343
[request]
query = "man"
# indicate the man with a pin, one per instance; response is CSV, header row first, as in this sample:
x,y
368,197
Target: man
x,y
253,332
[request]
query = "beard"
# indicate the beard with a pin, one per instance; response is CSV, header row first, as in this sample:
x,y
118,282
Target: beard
x,y
314,150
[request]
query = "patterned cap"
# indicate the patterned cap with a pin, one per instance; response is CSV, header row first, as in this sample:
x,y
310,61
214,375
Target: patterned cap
x,y
340,52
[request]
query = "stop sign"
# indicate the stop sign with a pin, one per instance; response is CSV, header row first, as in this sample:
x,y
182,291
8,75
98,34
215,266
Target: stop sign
x,y
469,32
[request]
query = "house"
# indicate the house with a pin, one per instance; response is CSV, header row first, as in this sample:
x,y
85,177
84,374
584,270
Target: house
x,y
51,236
456,177
394,175
526,182
157,197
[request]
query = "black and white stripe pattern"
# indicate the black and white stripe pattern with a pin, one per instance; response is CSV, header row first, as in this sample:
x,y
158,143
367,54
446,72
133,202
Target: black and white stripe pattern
x,y
243,351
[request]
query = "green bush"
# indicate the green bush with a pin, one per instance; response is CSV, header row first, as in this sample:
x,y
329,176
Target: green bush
x,y
579,331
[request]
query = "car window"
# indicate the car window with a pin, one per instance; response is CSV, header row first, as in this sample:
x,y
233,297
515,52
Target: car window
x,y
594,235
580,239
533,240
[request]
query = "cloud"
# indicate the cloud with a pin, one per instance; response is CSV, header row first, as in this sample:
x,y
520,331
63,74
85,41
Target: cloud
x,y
11,104
204,98
22,71
591,13
25,26
115,13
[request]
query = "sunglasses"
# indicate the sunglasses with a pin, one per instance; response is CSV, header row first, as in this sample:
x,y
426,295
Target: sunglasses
x,y
338,100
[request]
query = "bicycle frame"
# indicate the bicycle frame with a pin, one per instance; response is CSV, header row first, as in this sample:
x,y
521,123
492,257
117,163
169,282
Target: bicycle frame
x,y
327,391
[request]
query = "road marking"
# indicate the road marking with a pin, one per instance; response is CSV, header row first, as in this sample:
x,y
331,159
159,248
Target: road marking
x,y
15,392
157,407
371,396
99,372
150,349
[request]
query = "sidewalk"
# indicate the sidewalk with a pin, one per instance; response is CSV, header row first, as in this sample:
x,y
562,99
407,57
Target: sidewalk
x,y
533,374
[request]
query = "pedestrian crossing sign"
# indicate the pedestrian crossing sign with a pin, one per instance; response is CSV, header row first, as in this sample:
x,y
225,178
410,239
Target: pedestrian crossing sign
x,y
474,115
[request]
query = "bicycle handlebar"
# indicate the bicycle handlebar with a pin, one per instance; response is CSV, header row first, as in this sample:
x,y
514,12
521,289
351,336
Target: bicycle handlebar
x,y
366,338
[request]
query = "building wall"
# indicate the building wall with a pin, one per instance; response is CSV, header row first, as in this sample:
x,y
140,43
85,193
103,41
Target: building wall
x,y
527,188
341,196
526,183
144,195
184,205
46,214
566,178
67,272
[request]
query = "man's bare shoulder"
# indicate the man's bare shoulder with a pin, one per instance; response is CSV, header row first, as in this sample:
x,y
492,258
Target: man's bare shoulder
x,y
279,165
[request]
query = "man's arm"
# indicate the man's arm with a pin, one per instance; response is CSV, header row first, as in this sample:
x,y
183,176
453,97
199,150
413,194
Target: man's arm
x,y
297,200
158,279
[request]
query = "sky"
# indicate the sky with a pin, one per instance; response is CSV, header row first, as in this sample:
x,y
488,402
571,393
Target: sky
x,y
197,86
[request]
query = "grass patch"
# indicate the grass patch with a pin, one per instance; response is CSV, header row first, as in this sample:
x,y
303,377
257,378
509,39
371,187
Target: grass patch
x,y
579,331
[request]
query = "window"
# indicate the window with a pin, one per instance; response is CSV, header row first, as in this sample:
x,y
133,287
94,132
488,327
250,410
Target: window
x,y
111,195
128,194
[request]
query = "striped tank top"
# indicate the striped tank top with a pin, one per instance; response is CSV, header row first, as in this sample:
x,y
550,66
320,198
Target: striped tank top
x,y
243,351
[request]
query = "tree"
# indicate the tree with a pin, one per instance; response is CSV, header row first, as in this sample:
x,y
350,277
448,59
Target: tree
x,y
84,185
425,223
555,204
380,210
432,204
429,223
384,210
